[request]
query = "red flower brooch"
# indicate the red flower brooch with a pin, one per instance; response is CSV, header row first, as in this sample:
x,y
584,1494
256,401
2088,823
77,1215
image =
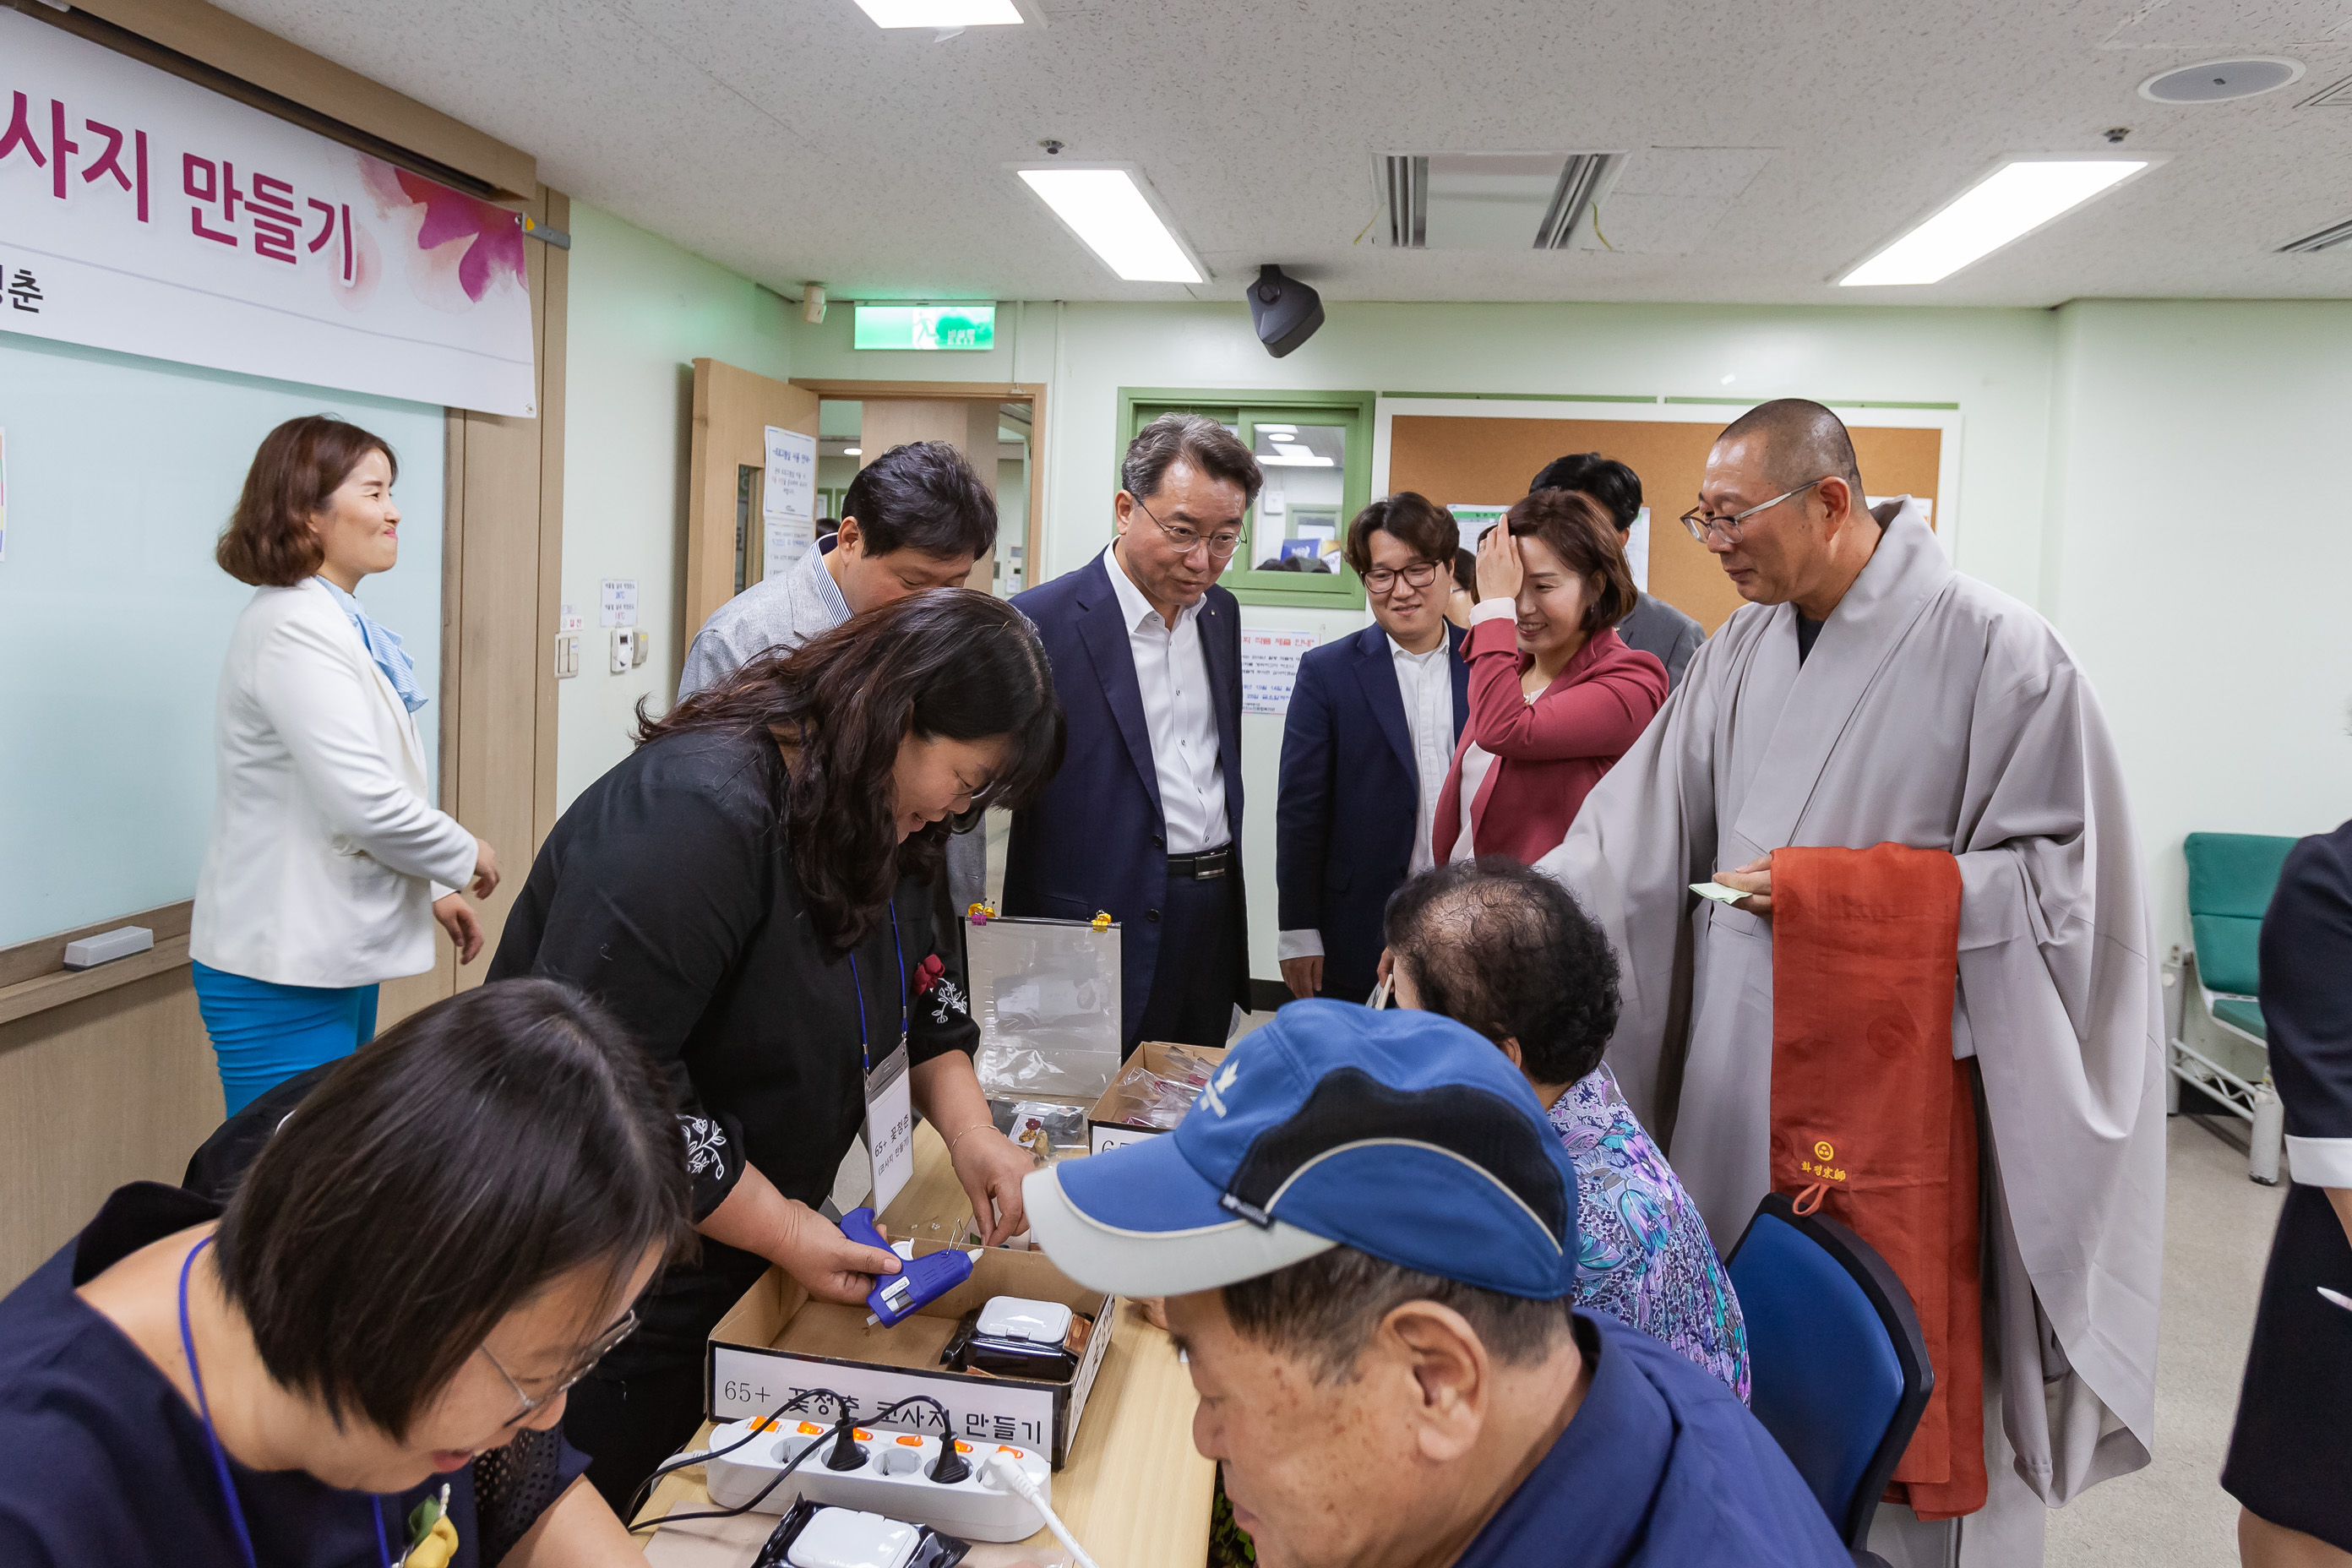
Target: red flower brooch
x,y
927,974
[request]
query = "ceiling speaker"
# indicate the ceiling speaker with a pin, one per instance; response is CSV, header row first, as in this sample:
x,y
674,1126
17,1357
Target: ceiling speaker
x,y
1286,311
2217,81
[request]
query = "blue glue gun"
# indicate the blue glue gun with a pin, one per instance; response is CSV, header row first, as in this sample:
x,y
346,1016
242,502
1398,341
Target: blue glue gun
x,y
918,1281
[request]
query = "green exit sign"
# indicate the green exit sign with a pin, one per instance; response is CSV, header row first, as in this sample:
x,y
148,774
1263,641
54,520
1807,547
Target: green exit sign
x,y
963,325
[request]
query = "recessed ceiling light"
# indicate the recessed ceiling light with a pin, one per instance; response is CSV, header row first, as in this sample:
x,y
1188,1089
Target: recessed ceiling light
x,y
2007,205
1107,207
853,451
941,13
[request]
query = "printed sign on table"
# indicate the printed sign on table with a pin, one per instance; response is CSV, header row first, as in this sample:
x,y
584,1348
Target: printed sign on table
x,y
1270,667
787,499
142,213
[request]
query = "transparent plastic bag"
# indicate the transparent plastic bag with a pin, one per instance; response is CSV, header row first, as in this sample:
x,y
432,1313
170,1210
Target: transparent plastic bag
x,y
1045,994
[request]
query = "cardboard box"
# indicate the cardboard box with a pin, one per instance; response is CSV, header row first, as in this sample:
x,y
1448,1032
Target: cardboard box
x,y
779,1348
1105,1133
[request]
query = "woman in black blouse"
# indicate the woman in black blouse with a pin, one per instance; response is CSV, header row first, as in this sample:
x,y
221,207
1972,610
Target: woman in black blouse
x,y
2292,1451
751,891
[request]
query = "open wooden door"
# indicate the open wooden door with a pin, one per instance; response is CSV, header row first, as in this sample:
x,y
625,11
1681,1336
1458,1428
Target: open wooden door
x,y
732,410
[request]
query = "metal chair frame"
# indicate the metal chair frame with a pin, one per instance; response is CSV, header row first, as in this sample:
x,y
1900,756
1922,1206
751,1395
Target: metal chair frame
x,y
2224,1062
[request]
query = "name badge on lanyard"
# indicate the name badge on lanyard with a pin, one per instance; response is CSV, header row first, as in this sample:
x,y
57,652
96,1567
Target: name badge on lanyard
x,y
889,1104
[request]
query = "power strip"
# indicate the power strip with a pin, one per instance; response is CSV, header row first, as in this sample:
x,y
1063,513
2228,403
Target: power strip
x,y
893,1480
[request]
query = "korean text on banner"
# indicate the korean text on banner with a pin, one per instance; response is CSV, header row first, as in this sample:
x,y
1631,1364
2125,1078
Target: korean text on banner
x,y
144,214
788,500
1270,667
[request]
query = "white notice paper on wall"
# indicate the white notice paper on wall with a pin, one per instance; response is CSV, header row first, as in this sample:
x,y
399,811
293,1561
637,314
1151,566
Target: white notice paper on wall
x,y
787,499
617,602
1637,550
1270,667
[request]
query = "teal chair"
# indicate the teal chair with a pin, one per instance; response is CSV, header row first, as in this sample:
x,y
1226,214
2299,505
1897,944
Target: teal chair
x,y
2213,1022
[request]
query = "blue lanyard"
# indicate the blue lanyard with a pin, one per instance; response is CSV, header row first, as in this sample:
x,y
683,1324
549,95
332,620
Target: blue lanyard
x,y
865,1049
211,1438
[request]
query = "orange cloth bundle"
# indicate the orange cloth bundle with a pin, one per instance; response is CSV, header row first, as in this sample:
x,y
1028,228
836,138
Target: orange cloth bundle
x,y
1872,1120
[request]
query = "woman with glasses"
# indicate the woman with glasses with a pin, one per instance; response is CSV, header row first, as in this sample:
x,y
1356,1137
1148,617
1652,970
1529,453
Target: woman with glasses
x,y
751,891
1365,750
1556,697
361,1359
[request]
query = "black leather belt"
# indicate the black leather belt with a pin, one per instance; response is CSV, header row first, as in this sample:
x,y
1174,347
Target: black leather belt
x,y
1204,866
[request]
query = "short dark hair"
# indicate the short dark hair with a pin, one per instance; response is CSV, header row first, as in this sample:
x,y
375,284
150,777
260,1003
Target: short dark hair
x,y
1465,572
1617,487
1574,528
951,662
1198,440
1493,944
1422,525
476,1152
1324,1311
922,497
298,465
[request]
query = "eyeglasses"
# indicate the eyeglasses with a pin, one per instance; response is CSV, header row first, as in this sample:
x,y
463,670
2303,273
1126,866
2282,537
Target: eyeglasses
x,y
1420,574
1701,525
596,1351
1221,546
971,798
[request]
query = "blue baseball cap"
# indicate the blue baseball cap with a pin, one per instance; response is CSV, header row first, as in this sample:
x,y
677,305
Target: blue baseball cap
x,y
1402,1134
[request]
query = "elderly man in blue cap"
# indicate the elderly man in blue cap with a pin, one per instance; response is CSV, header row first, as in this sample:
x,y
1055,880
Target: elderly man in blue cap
x,y
1366,1232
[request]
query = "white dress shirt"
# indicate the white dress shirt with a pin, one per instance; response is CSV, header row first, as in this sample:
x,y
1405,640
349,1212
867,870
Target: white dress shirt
x,y
1425,682
1172,672
1425,685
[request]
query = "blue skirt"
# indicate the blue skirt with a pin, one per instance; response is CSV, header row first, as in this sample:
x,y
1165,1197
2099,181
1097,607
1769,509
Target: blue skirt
x,y
264,1033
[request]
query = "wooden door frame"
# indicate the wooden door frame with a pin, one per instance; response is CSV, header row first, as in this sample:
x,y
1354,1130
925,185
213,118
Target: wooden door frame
x,y
1033,392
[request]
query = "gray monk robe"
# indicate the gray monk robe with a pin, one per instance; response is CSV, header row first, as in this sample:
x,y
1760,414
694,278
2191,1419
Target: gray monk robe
x,y
1937,713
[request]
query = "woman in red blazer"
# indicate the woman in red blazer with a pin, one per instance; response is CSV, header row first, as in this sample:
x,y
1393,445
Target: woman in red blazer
x,y
1556,696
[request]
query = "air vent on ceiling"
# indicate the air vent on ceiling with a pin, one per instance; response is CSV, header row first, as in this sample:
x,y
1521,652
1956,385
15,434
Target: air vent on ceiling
x,y
2328,238
2337,97
1492,201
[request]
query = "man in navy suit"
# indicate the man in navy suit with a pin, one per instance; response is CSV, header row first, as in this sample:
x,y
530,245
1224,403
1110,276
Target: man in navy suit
x,y
1145,818
1373,725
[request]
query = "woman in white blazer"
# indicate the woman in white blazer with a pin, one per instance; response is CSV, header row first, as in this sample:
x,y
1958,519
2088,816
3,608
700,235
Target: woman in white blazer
x,y
328,866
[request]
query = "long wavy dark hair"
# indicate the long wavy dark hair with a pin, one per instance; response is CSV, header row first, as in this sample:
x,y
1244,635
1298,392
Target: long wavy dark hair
x,y
947,664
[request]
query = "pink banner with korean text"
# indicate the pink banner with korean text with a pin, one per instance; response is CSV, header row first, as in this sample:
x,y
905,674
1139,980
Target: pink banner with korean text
x,y
144,214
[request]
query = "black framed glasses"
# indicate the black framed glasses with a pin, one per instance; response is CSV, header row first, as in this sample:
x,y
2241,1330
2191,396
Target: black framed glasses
x,y
1701,525
1419,574
597,1351
1187,539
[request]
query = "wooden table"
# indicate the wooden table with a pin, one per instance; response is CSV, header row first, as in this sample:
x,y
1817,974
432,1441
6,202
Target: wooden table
x,y
1135,1492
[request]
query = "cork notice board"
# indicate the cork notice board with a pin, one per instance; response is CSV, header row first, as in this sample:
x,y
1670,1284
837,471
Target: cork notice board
x,y
1487,461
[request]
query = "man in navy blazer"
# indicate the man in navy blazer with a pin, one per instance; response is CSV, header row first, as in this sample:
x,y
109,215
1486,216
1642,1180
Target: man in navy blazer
x,y
1373,725
1145,817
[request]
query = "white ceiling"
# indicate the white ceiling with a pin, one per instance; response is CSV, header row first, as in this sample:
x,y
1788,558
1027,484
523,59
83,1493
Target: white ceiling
x,y
1775,144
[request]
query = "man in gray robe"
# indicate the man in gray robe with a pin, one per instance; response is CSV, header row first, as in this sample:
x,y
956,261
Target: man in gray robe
x,y
1868,693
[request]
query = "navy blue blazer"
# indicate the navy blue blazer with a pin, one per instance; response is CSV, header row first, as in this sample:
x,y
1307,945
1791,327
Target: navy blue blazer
x,y
1344,813
1097,839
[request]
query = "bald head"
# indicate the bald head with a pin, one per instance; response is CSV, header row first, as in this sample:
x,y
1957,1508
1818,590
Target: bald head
x,y
1802,441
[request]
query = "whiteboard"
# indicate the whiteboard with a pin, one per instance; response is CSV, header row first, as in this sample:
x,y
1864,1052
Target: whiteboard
x,y
121,473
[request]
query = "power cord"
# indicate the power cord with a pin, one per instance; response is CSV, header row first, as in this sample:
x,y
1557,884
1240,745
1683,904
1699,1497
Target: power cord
x,y
1013,1475
840,1434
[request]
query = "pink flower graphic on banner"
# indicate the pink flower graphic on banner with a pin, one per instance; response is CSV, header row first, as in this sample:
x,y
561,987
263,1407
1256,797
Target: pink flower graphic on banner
x,y
452,214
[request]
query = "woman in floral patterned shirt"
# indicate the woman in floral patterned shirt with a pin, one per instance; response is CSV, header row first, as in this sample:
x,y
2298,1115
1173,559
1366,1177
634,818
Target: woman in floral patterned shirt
x,y
1505,950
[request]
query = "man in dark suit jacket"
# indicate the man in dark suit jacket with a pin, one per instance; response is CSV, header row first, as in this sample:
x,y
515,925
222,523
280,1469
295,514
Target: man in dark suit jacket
x,y
1372,730
1145,818
1653,625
